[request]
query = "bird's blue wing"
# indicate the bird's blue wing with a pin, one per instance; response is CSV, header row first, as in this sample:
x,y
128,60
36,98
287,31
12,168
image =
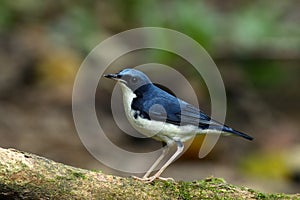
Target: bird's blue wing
x,y
161,106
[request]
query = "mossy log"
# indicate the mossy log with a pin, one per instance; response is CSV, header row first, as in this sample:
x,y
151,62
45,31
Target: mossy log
x,y
27,176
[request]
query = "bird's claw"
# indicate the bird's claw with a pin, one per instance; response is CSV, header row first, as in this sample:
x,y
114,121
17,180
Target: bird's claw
x,y
152,178
166,179
140,179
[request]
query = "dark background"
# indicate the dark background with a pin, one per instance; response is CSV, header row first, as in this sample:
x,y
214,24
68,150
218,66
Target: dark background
x,y
255,44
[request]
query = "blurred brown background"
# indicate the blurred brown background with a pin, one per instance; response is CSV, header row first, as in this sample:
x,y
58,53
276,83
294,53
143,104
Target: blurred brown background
x,y
255,44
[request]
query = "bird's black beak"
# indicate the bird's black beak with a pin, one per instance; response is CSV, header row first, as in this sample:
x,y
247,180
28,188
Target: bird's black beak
x,y
112,76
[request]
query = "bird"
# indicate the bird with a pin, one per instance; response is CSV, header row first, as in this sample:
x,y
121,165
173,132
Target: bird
x,y
160,115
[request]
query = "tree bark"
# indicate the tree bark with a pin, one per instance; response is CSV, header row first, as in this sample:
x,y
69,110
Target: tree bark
x,y
27,176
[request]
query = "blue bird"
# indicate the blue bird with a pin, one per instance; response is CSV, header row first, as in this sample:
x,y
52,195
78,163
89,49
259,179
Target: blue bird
x,y
157,114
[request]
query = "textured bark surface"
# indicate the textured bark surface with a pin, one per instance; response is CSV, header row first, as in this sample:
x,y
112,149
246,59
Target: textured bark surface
x,y
27,176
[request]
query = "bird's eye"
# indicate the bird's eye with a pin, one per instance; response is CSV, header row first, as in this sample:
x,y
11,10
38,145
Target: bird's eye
x,y
133,79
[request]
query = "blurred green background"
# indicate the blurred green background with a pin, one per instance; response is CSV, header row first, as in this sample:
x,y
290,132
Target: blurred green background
x,y
255,44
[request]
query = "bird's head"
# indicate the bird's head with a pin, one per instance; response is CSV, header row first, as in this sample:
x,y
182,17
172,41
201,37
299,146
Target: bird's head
x,y
131,78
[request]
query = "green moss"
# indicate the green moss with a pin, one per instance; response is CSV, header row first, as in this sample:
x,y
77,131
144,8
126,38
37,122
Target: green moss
x,y
169,185
184,190
79,175
260,195
210,188
280,196
97,170
60,177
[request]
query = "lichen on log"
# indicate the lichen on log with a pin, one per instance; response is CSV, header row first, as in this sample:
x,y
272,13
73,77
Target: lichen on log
x,y
28,176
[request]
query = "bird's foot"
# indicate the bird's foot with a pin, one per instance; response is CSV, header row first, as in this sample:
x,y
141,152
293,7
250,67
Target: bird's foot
x,y
166,179
141,179
152,178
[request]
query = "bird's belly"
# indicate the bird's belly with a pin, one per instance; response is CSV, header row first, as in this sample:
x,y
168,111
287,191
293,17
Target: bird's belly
x,y
162,130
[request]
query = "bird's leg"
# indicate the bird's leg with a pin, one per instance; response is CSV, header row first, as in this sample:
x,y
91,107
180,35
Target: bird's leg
x,y
179,150
159,159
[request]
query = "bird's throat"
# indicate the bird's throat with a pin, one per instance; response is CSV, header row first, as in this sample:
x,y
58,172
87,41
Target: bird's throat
x,y
128,97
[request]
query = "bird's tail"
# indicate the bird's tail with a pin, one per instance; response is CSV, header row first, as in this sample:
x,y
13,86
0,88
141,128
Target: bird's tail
x,y
227,129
